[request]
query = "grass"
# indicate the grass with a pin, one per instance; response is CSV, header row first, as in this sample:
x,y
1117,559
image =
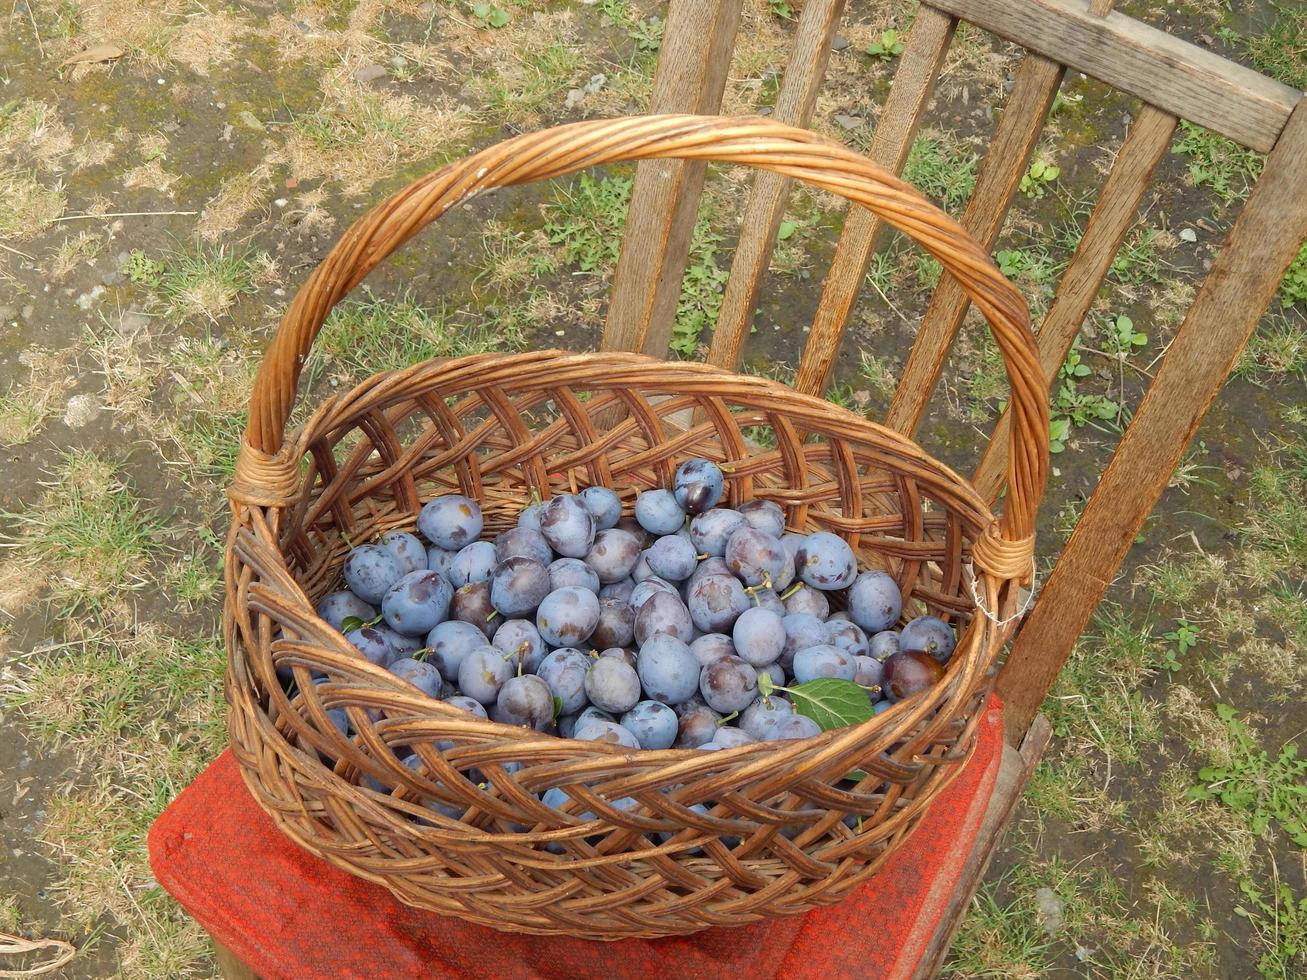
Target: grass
x,y
356,135
1279,51
26,406
519,89
999,939
1216,162
202,281
88,539
26,205
1278,350
943,167
586,221
370,334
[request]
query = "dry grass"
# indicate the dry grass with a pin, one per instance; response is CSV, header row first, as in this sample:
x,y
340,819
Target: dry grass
x,y
357,135
155,33
27,206
33,131
26,407
237,197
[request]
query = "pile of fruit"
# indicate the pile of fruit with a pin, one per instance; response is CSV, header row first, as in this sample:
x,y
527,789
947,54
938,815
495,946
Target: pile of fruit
x,y
686,625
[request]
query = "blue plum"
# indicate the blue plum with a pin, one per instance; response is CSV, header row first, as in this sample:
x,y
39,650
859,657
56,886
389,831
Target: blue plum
x,y
667,669
875,601
698,485
572,571
929,634
759,637
417,603
604,505
423,676
658,512
568,527
370,570
518,586
568,616
474,563
339,606
653,724
825,561
451,521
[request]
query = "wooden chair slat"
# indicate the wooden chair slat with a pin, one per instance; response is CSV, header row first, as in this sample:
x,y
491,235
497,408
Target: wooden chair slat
x,y
762,214
1117,209
1005,163
1244,277
914,85
1182,78
690,77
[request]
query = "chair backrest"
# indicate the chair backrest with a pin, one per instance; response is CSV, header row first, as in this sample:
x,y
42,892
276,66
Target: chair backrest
x,y
1170,79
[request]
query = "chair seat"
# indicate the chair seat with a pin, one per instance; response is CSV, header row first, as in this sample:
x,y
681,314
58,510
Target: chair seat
x,y
286,913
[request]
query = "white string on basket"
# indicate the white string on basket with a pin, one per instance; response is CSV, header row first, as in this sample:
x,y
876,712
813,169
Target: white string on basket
x,y
1026,600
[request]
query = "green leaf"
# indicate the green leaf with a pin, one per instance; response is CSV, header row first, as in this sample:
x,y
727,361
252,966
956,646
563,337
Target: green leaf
x,y
831,702
1051,172
499,18
765,684
481,10
558,707
1225,712
350,624
786,229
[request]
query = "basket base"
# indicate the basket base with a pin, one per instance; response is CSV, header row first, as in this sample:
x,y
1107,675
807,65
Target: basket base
x,y
287,913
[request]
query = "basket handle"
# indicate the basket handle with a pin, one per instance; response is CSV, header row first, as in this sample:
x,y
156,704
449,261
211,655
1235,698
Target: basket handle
x,y
265,477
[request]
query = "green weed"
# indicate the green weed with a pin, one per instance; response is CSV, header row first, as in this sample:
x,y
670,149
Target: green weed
x,y
1216,162
1039,176
1264,790
888,45
942,167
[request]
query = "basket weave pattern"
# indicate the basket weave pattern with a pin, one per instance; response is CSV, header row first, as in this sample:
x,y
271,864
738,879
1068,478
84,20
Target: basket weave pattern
x,y
467,834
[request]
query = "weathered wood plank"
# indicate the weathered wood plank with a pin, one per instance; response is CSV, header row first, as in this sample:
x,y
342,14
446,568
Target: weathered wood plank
x,y
1014,775
804,74
914,84
1118,206
1174,75
1246,273
1005,163
690,77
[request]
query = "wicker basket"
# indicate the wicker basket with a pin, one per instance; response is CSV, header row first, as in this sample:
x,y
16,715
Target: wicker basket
x,y
783,833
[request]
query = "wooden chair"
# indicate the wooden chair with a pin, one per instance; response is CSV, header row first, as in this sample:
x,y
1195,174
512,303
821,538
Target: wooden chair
x,y
1170,80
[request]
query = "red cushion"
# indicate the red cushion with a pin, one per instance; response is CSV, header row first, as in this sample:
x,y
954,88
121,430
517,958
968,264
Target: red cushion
x,y
286,913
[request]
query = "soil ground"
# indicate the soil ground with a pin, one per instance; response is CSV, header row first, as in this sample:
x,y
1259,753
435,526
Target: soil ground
x,y
159,208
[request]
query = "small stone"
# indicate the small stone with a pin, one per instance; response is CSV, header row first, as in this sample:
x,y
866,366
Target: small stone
x,y
596,82
1049,907
840,43
114,278
227,130
90,298
426,9
80,410
250,119
847,122
765,110
369,73
1188,235
574,98
1083,954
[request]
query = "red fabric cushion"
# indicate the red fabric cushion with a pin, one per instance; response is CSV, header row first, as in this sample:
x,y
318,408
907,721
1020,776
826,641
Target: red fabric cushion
x,y
289,914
